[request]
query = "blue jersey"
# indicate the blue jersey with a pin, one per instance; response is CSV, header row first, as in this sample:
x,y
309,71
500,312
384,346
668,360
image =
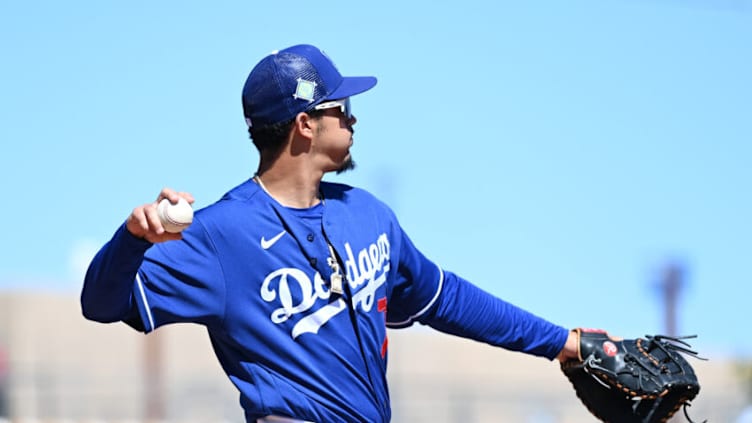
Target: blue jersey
x,y
258,274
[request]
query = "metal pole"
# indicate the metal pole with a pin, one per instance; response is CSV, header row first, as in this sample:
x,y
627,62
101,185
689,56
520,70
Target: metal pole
x,y
672,285
154,401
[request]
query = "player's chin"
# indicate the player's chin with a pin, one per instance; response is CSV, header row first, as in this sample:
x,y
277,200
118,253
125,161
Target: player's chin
x,y
347,165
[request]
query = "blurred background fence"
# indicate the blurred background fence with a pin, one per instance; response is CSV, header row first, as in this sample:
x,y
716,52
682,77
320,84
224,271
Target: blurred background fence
x,y
61,368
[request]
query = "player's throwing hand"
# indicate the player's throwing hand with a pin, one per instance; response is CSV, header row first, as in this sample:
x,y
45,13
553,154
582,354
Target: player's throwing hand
x,y
144,221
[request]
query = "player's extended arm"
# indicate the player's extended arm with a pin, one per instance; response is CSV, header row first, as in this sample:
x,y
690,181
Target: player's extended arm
x,y
465,310
425,293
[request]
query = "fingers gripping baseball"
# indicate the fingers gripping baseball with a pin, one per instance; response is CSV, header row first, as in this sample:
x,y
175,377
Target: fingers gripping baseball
x,y
145,221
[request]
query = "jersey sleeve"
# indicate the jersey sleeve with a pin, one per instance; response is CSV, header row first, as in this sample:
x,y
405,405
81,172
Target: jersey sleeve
x,y
108,284
425,293
417,285
465,310
170,282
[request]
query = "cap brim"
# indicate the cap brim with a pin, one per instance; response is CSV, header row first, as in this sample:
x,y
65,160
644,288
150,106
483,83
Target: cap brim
x,y
352,85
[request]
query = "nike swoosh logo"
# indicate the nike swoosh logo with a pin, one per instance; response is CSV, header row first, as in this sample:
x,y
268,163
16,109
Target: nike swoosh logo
x,y
267,243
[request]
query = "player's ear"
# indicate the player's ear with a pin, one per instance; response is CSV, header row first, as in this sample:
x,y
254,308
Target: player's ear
x,y
304,125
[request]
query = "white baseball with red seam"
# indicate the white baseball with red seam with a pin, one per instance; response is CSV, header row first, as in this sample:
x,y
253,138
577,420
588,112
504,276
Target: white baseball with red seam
x,y
175,217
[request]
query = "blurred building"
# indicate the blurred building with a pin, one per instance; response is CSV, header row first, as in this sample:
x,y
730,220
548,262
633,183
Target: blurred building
x,y
62,368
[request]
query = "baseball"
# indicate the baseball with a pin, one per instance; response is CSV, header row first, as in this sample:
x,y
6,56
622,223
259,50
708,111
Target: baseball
x,y
175,217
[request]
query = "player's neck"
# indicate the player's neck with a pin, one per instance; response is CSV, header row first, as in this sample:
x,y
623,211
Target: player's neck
x,y
296,188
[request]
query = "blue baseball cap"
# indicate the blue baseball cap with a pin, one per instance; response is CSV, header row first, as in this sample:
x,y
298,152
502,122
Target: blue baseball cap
x,y
295,80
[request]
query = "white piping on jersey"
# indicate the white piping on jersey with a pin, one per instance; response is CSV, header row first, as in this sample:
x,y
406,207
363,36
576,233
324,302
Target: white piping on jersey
x,y
146,303
424,309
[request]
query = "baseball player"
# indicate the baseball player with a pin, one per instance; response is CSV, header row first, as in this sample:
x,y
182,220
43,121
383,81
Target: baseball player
x,y
297,279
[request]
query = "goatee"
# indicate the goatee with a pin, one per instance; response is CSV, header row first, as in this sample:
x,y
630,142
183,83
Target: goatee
x,y
348,164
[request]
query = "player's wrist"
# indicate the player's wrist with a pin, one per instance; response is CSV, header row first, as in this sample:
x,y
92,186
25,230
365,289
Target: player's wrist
x,y
570,350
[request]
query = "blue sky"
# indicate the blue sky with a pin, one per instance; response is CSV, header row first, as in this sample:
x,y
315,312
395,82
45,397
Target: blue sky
x,y
557,154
